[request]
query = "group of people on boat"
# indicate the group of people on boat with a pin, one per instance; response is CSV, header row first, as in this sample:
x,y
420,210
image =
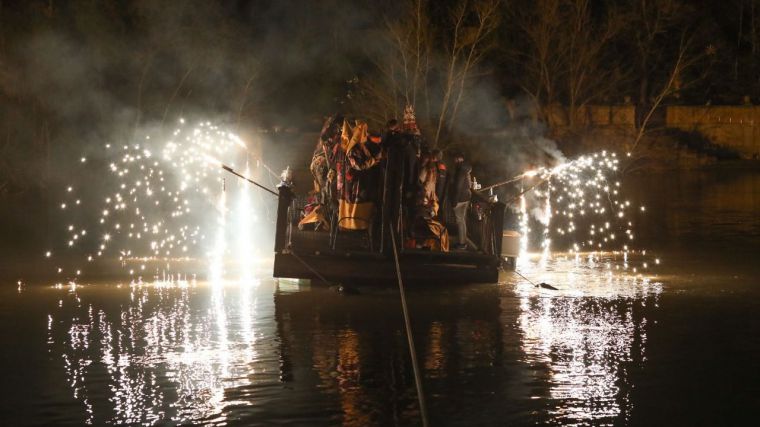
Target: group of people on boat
x,y
391,179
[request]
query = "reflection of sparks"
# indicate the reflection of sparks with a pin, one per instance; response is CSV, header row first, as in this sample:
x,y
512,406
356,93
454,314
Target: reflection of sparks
x,y
244,234
166,338
217,258
585,333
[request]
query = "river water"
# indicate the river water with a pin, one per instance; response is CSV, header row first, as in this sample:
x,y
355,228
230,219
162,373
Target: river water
x,y
678,346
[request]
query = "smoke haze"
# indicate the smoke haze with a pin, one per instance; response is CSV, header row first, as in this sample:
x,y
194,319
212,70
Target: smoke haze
x,y
78,75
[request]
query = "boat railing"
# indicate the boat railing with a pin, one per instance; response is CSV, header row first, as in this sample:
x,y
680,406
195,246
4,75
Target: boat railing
x,y
484,220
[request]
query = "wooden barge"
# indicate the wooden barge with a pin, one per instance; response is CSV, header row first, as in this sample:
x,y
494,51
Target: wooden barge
x,y
363,257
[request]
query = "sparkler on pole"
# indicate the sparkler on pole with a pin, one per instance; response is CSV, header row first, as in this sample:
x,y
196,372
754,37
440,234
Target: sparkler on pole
x,y
232,171
582,206
157,199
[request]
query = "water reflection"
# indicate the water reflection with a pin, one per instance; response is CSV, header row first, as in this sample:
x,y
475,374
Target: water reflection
x,y
698,210
163,352
609,347
589,334
435,356
242,354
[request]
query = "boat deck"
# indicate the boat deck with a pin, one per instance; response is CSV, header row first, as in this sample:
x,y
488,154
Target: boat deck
x,y
352,261
355,257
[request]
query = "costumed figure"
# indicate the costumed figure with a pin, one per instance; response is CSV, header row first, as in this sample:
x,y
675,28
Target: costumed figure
x,y
412,151
427,232
420,199
322,167
407,159
427,199
358,174
441,181
461,196
393,144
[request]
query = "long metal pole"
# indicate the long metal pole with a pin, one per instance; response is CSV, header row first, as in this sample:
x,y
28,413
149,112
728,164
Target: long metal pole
x,y
232,171
499,184
408,324
513,199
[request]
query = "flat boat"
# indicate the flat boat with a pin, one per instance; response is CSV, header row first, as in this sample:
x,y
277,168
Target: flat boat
x,y
368,256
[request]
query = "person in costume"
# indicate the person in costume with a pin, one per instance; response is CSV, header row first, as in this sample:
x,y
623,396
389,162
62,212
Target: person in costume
x,y
441,178
358,175
427,199
412,151
322,169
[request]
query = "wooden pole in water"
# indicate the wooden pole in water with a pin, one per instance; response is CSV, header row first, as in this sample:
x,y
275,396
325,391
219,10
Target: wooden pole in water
x,y
408,325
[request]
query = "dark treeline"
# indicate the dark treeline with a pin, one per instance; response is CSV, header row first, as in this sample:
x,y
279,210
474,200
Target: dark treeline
x,y
76,73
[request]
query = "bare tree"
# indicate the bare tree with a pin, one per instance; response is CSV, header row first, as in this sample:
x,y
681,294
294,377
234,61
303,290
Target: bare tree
x,y
685,59
541,62
651,24
417,69
402,69
591,74
467,47
566,54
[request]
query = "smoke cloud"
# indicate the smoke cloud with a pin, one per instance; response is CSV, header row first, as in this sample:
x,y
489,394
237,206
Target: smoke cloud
x,y
78,75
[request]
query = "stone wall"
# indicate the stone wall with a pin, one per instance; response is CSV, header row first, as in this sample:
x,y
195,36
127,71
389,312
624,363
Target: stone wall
x,y
622,116
734,127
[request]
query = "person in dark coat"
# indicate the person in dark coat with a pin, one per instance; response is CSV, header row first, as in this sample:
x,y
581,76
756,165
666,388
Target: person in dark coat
x,y
460,197
393,144
412,158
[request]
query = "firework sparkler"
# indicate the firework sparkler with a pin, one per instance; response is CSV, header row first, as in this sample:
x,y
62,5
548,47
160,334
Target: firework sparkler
x,y
580,205
157,204
157,200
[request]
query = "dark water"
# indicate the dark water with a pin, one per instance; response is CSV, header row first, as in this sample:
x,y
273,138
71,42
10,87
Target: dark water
x,y
608,348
